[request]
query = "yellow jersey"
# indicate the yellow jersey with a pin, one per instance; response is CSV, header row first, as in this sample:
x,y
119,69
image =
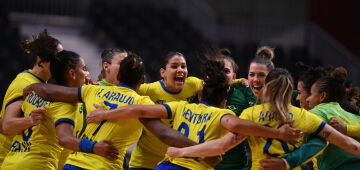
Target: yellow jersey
x,y
123,132
14,93
37,147
79,128
262,115
199,122
149,150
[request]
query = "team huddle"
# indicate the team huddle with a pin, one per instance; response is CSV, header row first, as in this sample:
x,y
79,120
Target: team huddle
x,y
179,122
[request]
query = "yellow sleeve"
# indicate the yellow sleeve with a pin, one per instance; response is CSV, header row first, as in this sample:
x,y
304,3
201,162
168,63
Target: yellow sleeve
x,y
171,108
87,90
238,81
144,88
246,114
198,83
15,91
62,112
310,123
353,130
145,100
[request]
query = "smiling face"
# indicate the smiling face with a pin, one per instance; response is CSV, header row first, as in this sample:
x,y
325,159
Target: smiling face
x,y
302,95
256,77
229,71
175,73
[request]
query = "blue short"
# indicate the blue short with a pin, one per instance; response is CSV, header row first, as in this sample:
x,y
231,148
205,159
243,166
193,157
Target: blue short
x,y
72,167
169,166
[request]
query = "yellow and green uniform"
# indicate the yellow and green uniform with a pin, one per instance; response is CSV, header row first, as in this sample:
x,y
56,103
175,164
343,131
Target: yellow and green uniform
x,y
123,132
239,99
13,94
37,147
334,157
199,122
263,115
149,150
103,82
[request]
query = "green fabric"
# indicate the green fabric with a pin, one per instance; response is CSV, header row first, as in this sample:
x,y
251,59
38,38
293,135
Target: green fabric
x,y
314,145
333,157
103,83
240,99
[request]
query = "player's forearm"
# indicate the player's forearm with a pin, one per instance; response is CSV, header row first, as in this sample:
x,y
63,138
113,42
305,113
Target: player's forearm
x,y
214,147
249,128
69,142
166,134
136,111
52,92
344,142
16,125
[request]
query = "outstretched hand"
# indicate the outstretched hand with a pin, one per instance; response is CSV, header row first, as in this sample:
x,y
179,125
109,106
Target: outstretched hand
x,y
290,134
106,149
96,115
338,125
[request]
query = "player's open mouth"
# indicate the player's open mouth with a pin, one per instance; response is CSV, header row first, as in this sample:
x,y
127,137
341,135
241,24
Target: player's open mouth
x,y
179,79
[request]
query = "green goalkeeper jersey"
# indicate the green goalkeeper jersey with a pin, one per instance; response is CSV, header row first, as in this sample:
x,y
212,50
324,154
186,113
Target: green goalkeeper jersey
x,y
241,98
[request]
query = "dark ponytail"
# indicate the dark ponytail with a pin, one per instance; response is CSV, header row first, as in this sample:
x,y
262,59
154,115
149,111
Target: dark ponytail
x,y
132,70
215,90
334,85
43,45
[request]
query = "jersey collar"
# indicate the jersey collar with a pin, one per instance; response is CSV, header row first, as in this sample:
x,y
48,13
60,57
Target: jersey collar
x,y
123,85
203,102
167,90
33,74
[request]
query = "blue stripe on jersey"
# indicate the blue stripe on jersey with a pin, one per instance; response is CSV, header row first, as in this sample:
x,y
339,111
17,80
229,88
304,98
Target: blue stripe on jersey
x,y
224,115
163,86
79,94
12,101
322,125
168,110
64,120
35,76
203,102
98,128
123,85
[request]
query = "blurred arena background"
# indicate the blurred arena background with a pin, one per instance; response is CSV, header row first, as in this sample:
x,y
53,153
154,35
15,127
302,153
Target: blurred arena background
x,y
317,32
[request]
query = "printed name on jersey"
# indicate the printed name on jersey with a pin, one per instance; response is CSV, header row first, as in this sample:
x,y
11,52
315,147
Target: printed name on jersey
x,y
195,117
271,116
114,96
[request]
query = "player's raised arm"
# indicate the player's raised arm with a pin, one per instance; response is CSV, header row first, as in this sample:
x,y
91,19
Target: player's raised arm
x,y
127,112
52,92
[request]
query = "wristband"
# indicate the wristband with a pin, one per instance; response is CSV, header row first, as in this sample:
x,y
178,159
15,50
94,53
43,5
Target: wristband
x,y
86,145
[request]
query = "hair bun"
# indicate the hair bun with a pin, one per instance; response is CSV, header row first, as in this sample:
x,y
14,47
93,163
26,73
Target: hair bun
x,y
26,44
265,52
339,74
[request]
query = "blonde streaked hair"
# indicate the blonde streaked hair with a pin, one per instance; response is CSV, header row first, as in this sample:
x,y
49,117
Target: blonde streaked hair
x,y
278,91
